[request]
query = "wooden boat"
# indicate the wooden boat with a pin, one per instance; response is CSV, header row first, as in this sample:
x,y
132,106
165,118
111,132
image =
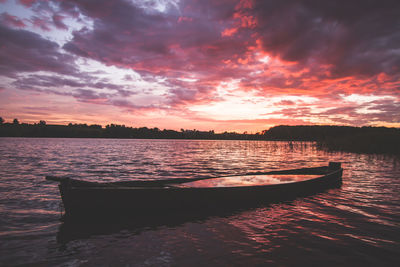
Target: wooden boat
x,y
84,199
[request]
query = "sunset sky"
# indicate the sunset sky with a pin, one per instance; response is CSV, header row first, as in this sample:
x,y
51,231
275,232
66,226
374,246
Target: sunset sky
x,y
220,65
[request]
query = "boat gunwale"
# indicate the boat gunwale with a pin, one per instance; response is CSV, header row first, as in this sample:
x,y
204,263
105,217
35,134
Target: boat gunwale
x,y
171,187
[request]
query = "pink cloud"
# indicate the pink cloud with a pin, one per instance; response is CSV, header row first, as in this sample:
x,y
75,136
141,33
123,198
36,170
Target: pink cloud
x,y
196,50
27,3
285,103
58,22
185,19
40,23
12,21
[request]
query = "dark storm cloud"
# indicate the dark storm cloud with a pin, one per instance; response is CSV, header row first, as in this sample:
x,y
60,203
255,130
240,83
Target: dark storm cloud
x,y
158,44
126,35
378,111
350,37
387,110
348,110
91,96
355,37
46,81
198,50
25,51
62,84
86,95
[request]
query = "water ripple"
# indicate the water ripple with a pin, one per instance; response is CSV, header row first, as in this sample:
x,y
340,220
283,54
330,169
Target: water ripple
x,y
355,225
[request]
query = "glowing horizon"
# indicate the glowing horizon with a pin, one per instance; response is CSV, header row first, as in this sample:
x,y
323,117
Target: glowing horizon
x,y
237,65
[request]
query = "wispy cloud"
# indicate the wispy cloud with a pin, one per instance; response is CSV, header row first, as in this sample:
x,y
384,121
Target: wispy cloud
x,y
194,58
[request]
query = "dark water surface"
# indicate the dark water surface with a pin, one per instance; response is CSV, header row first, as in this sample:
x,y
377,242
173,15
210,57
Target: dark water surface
x,y
355,225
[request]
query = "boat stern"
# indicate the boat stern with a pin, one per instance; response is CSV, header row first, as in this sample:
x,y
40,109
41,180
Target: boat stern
x,y
334,165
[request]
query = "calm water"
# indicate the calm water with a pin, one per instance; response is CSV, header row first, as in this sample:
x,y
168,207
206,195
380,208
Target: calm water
x,y
355,225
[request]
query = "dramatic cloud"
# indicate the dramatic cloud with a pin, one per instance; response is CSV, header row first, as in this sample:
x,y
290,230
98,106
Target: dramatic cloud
x,y
353,38
25,51
211,62
158,43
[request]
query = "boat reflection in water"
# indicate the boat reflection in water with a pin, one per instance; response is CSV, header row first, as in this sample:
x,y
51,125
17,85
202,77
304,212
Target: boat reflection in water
x,y
71,230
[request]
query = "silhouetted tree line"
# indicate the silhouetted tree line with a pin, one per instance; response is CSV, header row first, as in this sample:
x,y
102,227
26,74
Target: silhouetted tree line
x,y
321,132
343,138
42,129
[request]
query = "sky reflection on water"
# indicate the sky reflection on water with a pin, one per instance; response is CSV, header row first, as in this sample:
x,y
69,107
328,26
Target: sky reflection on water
x,y
357,224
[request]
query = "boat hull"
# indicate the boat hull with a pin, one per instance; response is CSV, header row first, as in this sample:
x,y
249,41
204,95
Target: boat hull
x,y
92,202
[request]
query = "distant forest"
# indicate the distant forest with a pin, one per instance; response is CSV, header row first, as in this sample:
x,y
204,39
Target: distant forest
x,y
337,138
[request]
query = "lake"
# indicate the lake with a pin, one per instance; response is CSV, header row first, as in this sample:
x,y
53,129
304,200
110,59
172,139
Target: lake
x,y
357,224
